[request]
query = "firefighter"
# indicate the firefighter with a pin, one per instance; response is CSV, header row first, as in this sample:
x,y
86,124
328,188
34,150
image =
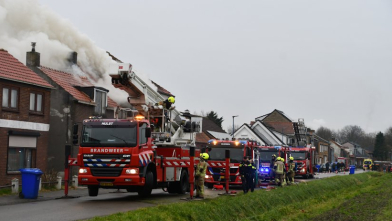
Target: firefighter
x,y
278,170
291,172
245,171
200,174
167,104
251,176
284,172
271,171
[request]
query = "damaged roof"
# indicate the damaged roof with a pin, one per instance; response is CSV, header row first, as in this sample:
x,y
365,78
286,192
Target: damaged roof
x,y
14,70
69,81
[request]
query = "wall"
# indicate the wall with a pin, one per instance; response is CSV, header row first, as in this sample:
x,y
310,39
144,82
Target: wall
x,y
22,118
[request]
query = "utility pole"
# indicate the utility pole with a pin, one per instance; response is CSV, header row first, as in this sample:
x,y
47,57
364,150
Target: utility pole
x,y
233,124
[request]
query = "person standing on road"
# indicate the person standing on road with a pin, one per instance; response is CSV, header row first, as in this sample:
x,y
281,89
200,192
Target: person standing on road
x,y
271,170
278,170
245,172
251,176
327,167
291,172
200,174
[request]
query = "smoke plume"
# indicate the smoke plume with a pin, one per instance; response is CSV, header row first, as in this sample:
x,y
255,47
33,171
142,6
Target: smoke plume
x,y
23,22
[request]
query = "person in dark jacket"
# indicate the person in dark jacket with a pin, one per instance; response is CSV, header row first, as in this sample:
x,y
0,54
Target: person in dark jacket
x,y
247,169
327,167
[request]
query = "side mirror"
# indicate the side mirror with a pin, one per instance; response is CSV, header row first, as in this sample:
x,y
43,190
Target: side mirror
x,y
75,134
148,132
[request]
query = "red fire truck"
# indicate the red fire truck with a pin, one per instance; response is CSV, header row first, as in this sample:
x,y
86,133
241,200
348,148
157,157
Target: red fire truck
x,y
216,163
304,157
265,157
119,154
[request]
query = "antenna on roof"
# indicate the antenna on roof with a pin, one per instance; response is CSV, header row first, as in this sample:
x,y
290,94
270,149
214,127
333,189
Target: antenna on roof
x,y
33,45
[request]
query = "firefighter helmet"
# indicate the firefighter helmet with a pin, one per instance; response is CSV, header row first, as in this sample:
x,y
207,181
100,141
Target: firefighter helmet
x,y
291,158
171,100
278,159
274,155
282,159
204,156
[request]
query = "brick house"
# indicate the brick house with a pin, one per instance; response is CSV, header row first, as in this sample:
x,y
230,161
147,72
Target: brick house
x,y
323,150
73,99
24,118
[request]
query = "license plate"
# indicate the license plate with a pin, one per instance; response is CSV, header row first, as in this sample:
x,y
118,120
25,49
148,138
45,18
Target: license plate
x,y
106,184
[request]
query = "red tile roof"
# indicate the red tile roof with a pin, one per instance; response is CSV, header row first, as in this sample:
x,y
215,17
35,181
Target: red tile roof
x,y
162,90
202,138
13,70
68,82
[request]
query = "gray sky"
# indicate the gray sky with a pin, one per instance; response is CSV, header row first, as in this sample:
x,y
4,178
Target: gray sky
x,y
328,62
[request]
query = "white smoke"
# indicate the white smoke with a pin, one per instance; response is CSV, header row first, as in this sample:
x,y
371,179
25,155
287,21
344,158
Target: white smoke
x,y
23,22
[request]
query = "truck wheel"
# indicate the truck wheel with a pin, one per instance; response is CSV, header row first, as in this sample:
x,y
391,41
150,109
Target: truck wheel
x,y
184,183
173,187
147,188
93,190
209,185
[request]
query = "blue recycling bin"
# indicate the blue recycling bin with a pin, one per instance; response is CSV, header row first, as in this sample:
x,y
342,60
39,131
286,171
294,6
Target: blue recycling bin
x,y
30,182
352,169
318,167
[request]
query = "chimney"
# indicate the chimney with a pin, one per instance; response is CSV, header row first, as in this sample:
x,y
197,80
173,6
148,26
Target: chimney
x,y
251,123
73,58
33,57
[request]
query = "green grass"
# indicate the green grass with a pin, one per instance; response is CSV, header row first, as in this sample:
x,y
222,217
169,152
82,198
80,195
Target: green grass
x,y
5,191
307,201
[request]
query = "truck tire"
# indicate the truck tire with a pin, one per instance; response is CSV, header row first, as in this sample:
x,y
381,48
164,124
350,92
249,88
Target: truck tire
x,y
93,190
184,183
147,188
173,187
209,185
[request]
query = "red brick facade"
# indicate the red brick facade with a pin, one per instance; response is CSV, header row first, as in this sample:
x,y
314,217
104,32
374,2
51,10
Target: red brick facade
x,y
23,114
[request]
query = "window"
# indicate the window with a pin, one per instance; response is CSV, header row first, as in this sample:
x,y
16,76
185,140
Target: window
x,y
323,148
100,102
36,102
10,98
142,134
21,153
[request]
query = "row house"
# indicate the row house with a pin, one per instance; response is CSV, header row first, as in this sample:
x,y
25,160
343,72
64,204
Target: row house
x,y
73,99
24,118
357,153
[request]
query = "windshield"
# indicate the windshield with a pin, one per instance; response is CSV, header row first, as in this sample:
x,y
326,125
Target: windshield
x,y
341,160
367,162
267,155
109,136
298,155
236,155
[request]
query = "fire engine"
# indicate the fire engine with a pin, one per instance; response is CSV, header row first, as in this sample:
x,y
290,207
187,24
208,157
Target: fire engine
x,y
216,163
265,157
304,157
127,154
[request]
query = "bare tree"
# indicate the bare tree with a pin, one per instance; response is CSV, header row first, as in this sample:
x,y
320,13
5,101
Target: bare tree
x,y
230,129
325,133
351,133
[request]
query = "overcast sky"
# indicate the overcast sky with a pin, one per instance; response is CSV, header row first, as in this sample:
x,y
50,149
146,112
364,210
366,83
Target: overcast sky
x,y
329,62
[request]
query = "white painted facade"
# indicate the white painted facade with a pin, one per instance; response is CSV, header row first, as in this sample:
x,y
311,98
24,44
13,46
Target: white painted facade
x,y
266,134
15,124
244,132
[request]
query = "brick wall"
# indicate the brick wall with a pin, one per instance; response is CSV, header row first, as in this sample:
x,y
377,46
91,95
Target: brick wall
x,y
275,117
23,114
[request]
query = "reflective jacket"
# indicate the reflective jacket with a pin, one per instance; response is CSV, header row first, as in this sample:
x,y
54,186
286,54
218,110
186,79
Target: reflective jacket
x,y
201,169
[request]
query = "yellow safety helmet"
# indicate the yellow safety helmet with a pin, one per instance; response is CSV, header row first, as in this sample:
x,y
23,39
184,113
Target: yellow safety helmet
x,y
278,159
204,156
171,100
282,159
291,158
274,155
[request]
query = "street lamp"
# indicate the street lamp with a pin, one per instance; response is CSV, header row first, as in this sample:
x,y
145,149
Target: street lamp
x,y
233,124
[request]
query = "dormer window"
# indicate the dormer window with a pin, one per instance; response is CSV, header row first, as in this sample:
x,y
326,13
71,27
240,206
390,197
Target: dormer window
x,y
101,101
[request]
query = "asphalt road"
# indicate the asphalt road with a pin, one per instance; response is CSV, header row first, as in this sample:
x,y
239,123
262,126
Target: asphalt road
x,y
108,203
